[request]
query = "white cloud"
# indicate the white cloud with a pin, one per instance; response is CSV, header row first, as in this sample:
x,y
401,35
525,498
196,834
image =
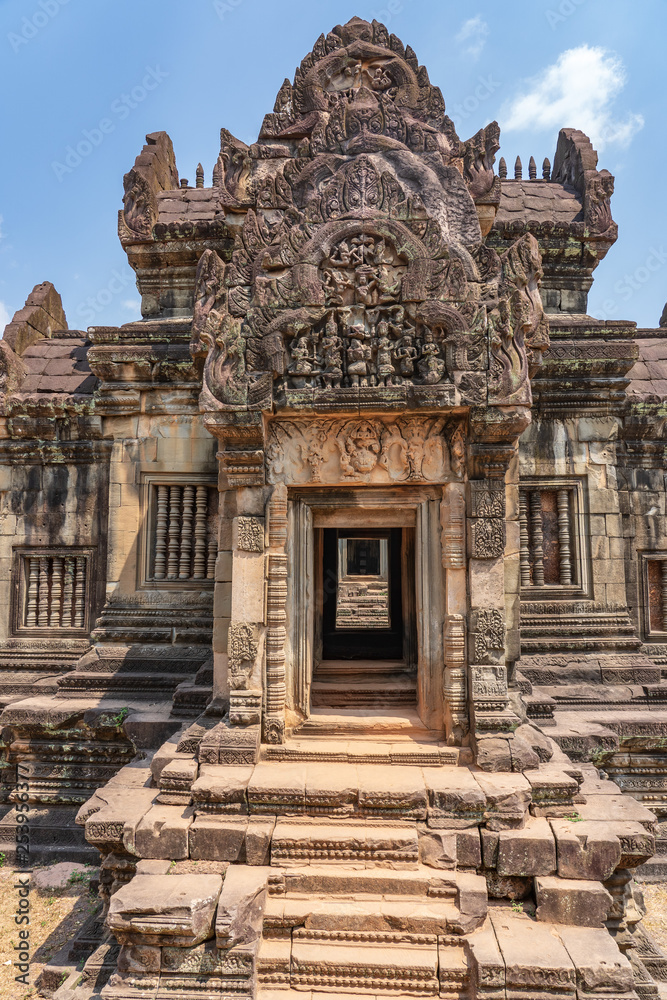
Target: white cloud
x,y
577,91
132,305
474,31
4,316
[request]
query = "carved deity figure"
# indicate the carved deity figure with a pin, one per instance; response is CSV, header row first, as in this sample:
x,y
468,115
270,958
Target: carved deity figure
x,y
431,366
406,352
332,352
358,358
388,290
385,368
359,447
365,292
302,361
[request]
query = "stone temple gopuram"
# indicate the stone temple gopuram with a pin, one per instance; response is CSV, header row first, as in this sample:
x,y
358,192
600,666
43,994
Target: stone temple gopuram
x,y
334,591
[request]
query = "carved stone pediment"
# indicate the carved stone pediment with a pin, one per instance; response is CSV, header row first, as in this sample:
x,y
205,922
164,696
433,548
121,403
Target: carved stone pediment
x,y
359,276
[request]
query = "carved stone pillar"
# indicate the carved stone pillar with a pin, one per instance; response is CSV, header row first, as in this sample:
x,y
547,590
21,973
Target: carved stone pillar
x,y
276,617
494,565
452,517
247,626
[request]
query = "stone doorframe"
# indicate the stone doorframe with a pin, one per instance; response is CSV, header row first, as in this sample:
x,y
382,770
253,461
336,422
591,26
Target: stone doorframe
x,y
417,507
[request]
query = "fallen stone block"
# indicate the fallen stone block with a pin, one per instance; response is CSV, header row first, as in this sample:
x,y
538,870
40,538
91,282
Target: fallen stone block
x,y
455,799
258,839
507,799
586,850
523,756
530,851
163,833
220,788
241,907
437,848
536,962
487,968
493,755
468,848
538,742
601,968
617,807
112,815
165,909
217,838
571,901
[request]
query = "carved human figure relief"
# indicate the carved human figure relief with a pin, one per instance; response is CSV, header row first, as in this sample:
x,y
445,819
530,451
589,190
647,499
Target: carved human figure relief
x,y
406,449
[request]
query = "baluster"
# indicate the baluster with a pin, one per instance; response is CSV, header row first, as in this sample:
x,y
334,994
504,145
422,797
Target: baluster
x,y
186,533
199,571
160,569
55,609
80,593
174,531
33,593
564,537
212,553
664,595
68,594
43,600
537,538
524,539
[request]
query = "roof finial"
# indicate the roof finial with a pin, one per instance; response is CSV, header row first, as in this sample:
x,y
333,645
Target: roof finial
x,y
532,169
546,169
518,169
502,168
200,176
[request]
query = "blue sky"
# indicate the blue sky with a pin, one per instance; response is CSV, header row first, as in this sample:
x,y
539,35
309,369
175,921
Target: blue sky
x,y
191,67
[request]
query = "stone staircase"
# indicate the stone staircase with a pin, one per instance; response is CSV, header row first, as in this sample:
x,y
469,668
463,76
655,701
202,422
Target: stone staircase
x,y
339,868
368,683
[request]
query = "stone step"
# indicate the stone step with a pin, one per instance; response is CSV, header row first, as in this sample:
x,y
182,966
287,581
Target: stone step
x,y
93,682
401,750
330,721
387,964
358,668
367,843
374,692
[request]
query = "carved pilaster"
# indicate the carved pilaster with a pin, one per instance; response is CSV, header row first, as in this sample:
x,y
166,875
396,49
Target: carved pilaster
x,y
487,519
456,708
276,617
452,519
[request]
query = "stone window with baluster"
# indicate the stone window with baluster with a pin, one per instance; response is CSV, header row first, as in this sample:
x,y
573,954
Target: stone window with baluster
x,y
51,590
180,532
552,539
655,594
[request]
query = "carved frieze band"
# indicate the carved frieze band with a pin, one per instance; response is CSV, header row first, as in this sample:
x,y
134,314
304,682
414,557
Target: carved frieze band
x,y
407,449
